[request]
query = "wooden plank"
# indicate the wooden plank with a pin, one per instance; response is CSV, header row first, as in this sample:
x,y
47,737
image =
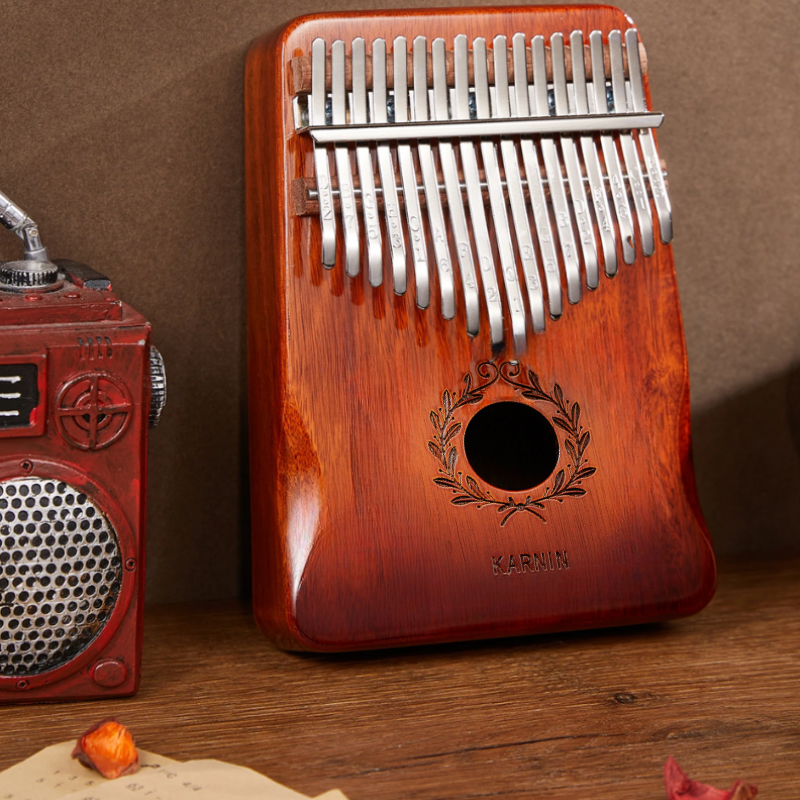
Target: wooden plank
x,y
580,715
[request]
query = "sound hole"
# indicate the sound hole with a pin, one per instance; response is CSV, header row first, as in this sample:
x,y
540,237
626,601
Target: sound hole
x,y
511,446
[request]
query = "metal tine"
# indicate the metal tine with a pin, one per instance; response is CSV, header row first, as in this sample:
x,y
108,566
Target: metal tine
x,y
530,159
597,187
469,164
430,184
408,177
369,203
516,198
552,165
322,166
646,140
347,201
580,202
502,230
452,188
613,169
391,204
641,202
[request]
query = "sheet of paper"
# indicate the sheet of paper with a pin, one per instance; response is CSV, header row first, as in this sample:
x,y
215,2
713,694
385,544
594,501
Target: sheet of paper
x,y
53,775
204,780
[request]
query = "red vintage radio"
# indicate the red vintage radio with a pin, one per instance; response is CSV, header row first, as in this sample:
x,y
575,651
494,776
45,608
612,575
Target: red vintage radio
x,y
468,383
79,384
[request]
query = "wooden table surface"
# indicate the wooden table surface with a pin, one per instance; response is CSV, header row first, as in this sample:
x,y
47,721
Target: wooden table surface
x,y
581,715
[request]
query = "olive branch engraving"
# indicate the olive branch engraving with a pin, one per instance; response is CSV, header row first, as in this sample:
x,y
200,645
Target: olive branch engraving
x,y
467,490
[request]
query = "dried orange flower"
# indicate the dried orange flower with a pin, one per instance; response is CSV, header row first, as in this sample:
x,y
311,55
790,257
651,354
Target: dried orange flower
x,y
108,748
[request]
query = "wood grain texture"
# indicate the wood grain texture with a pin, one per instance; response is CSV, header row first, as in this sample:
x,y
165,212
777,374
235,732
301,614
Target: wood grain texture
x,y
354,544
571,716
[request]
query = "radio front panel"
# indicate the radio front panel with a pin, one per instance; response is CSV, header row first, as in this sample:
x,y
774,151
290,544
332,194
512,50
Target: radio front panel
x,y
80,384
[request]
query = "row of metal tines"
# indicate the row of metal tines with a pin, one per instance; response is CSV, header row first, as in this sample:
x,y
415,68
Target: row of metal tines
x,y
573,161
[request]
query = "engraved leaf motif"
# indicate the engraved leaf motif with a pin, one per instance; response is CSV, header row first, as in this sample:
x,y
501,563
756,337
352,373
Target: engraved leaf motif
x,y
563,424
531,511
468,490
452,457
447,402
508,516
472,484
451,432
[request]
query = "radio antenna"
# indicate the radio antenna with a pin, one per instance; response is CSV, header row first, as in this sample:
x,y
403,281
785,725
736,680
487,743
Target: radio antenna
x,y
17,221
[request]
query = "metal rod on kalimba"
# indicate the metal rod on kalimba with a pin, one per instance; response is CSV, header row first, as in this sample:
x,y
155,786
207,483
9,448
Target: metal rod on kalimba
x,y
605,124
301,68
657,187
641,202
408,177
580,204
591,159
530,159
306,195
553,192
352,245
472,183
516,197
391,205
552,164
369,207
452,187
322,166
618,193
497,202
430,184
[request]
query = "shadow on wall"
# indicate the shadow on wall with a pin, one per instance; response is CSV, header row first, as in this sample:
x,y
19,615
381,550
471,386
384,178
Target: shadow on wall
x,y
747,460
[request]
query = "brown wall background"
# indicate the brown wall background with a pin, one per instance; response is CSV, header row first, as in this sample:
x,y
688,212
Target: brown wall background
x,y
121,134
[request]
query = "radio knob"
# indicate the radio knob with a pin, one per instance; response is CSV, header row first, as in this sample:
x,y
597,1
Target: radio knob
x,y
27,274
158,387
109,673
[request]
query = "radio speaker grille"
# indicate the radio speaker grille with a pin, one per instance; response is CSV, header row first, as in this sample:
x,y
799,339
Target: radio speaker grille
x,y
60,574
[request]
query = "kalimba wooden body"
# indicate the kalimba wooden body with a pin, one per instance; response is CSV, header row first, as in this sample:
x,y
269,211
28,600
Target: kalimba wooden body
x,y
372,526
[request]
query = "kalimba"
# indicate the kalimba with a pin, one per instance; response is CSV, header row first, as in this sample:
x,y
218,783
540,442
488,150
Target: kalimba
x,y
469,406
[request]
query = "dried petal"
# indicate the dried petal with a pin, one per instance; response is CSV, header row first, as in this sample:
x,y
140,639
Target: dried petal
x,y
680,787
108,748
